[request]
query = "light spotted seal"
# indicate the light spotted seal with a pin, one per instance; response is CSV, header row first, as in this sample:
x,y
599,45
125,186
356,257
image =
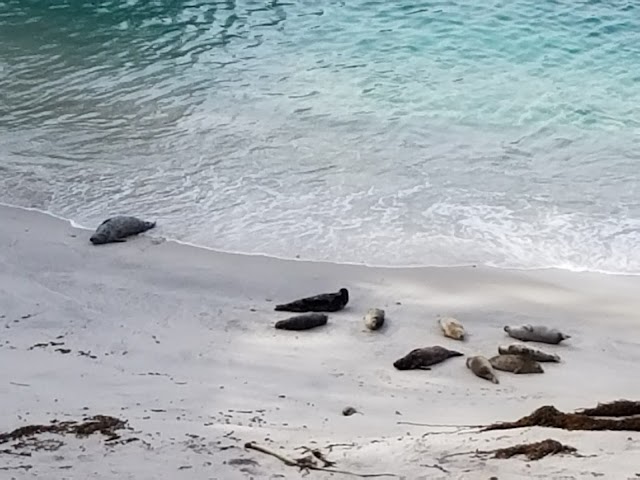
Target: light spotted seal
x,y
325,302
530,352
452,328
536,333
116,229
374,319
421,358
302,322
515,364
482,368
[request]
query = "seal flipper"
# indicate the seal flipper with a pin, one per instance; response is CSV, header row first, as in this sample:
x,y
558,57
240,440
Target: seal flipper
x,y
119,240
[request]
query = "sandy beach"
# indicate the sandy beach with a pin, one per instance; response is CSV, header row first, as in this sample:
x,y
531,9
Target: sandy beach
x,y
179,342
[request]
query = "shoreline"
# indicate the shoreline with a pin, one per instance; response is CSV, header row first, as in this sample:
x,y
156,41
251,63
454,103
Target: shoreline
x,y
184,349
77,226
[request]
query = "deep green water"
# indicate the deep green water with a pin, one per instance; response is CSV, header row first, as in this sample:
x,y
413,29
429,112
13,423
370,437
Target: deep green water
x,y
394,133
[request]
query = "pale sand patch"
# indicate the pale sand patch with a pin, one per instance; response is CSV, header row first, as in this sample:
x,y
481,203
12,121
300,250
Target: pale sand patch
x,y
172,330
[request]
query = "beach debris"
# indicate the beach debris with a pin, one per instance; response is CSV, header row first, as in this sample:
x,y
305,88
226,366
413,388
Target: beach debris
x,y
618,408
103,424
527,351
482,368
452,328
348,411
515,364
302,322
536,333
64,351
550,417
45,344
534,451
422,358
374,318
117,229
310,462
324,302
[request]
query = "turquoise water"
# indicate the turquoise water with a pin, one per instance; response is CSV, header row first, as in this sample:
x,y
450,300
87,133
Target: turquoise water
x,y
388,133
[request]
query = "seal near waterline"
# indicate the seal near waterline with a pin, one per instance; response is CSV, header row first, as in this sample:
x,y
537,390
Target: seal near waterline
x,y
374,319
324,302
422,358
452,328
536,333
529,352
116,229
302,322
482,368
515,364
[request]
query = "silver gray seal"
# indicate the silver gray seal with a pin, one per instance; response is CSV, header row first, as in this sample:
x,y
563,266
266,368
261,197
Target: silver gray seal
x,y
117,229
536,333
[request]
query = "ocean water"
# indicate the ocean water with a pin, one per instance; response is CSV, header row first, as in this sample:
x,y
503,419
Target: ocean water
x,y
380,132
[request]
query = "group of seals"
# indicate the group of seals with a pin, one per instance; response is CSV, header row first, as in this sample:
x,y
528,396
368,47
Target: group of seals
x,y
117,229
310,307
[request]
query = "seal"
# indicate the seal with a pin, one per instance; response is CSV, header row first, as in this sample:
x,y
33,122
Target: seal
x,y
116,229
515,364
536,333
324,302
482,368
529,352
374,319
421,358
452,328
302,322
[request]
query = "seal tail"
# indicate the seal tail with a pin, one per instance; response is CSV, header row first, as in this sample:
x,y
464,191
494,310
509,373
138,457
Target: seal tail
x,y
494,379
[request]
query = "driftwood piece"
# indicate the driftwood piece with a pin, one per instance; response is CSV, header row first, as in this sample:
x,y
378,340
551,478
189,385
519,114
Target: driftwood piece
x,y
310,463
619,408
549,416
534,451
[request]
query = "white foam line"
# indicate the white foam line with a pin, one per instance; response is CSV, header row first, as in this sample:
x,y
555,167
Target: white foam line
x,y
74,224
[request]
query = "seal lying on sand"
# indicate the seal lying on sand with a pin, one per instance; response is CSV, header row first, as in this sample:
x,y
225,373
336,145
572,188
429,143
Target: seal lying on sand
x,y
536,333
325,302
374,318
515,364
452,328
116,229
529,352
302,322
482,368
420,358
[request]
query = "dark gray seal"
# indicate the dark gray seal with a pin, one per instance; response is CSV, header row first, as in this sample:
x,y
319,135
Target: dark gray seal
x,y
515,364
325,302
536,333
421,358
116,229
302,322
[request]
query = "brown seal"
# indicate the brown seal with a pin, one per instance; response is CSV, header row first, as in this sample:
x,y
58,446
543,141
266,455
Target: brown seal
x,y
482,368
527,351
515,364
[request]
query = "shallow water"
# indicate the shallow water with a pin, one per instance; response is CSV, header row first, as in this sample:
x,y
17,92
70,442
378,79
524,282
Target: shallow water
x,y
389,133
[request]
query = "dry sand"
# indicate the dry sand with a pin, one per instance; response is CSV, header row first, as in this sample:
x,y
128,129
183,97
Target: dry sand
x,y
186,352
